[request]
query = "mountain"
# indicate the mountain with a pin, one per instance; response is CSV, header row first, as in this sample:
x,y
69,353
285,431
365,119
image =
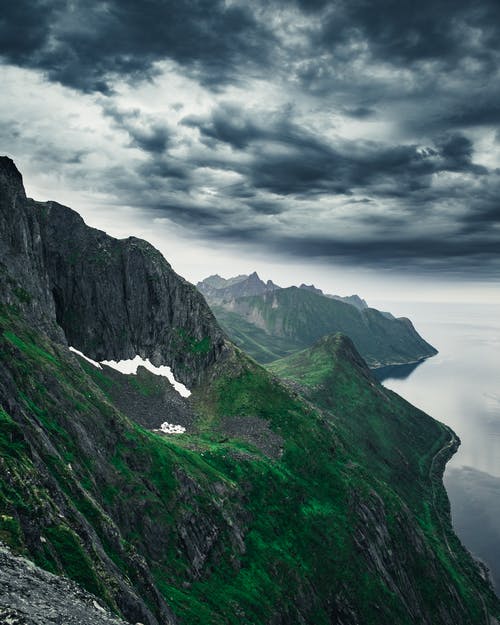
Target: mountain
x,y
111,299
269,325
311,288
281,503
218,290
354,300
291,319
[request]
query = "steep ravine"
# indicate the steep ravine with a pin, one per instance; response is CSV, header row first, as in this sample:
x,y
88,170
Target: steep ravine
x,y
336,521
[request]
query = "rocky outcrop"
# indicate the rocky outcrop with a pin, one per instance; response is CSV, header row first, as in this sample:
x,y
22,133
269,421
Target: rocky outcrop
x,y
32,596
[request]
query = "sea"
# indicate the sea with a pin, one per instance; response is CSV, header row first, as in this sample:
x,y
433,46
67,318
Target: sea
x,y
461,388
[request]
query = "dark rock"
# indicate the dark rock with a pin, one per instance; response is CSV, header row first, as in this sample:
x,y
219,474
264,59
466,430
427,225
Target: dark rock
x,y
256,431
32,596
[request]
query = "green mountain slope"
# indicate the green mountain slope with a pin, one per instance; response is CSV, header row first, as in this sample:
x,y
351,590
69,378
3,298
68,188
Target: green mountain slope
x,y
299,317
205,527
276,506
263,347
388,437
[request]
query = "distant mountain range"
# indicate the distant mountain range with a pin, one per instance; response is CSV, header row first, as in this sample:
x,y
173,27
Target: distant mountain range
x,y
218,290
270,322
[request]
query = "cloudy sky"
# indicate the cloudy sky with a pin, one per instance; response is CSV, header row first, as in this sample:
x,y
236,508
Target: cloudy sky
x,y
351,143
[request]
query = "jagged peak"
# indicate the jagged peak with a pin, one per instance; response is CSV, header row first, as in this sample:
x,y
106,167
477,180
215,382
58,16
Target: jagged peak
x,y
11,180
340,344
311,287
335,340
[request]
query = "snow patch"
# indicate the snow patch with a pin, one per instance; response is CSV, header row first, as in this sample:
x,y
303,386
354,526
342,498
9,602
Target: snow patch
x,y
130,367
170,428
92,362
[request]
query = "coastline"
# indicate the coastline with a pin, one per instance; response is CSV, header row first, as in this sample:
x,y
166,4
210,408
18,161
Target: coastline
x,y
442,510
404,369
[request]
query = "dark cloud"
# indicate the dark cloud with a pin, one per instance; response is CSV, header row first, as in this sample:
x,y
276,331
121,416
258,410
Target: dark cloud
x,y
274,168
402,31
24,26
359,112
147,133
83,45
153,139
228,124
309,164
423,253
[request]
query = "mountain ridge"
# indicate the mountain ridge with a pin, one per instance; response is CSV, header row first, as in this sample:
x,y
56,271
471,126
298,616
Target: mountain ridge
x,y
218,290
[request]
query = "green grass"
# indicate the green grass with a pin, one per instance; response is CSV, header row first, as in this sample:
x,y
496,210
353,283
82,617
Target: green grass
x,y
73,558
262,346
10,532
29,348
12,443
191,344
395,443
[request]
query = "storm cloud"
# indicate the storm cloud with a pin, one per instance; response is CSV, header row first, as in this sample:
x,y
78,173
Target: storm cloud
x,y
360,132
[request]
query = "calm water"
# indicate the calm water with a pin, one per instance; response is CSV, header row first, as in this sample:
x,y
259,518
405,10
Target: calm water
x,y
461,387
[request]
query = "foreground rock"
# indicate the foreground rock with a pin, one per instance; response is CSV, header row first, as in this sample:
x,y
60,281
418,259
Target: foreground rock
x,y
31,596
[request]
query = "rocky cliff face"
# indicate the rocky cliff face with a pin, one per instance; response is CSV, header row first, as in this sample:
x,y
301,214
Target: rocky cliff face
x,y
112,299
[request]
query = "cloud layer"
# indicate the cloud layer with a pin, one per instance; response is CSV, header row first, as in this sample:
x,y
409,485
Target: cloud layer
x,y
357,132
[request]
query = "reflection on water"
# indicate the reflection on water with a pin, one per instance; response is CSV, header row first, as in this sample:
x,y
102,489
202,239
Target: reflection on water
x,y
396,372
461,387
476,504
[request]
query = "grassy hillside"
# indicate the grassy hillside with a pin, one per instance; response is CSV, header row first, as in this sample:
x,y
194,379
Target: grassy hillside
x,y
255,341
342,523
387,436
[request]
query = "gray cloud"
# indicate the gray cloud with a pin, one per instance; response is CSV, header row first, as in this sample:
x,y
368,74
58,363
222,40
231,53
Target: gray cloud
x,y
149,134
402,32
309,164
83,45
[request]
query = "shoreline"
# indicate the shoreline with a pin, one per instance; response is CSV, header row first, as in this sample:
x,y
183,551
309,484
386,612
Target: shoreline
x,y
402,364
442,507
